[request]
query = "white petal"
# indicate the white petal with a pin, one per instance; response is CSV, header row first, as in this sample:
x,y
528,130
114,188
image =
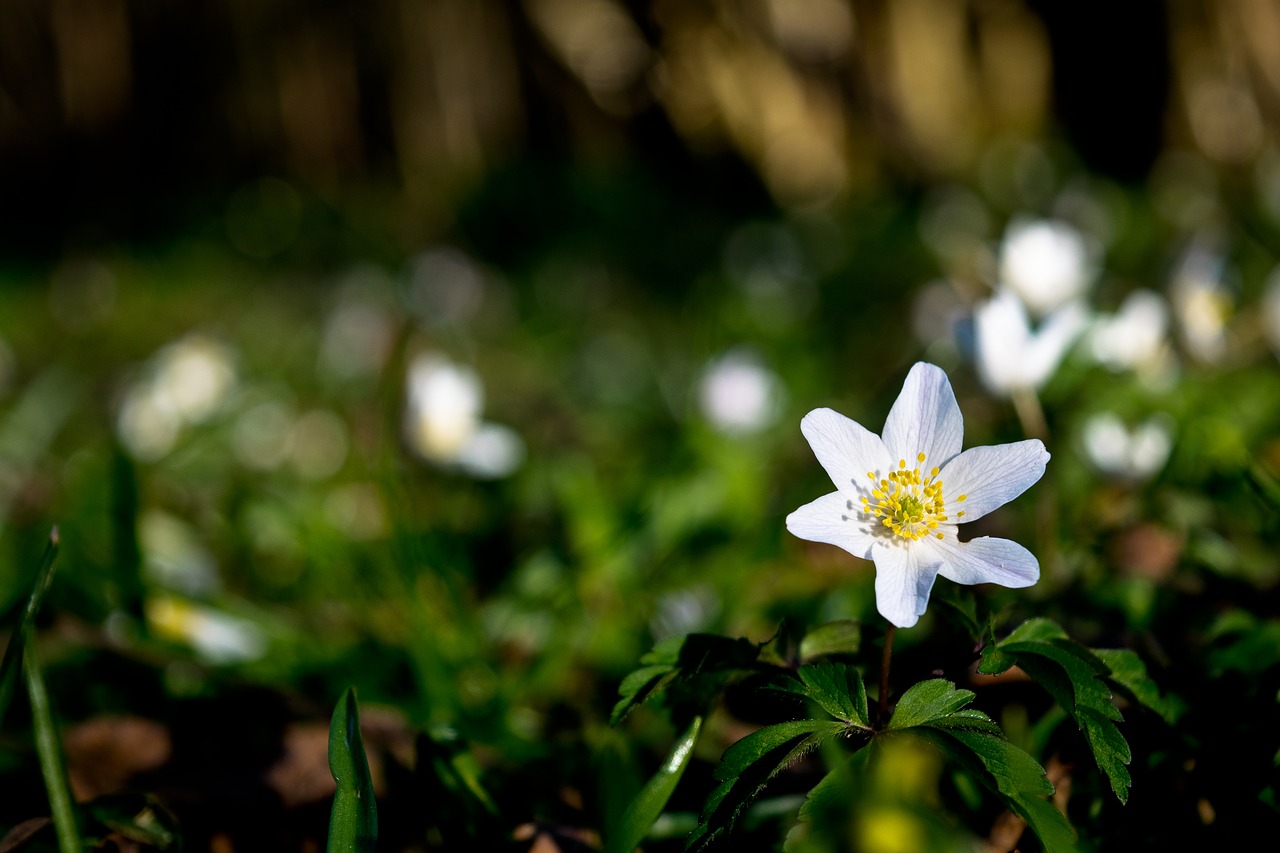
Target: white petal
x,y
925,418
846,449
832,519
989,477
987,560
1046,349
1003,333
904,577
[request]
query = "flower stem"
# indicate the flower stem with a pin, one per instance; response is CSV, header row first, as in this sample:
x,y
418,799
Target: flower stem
x,y
1027,406
884,671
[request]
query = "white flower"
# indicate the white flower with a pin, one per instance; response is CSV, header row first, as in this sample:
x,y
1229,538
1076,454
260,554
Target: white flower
x,y
738,394
1010,356
900,497
1134,337
443,425
1129,454
1047,263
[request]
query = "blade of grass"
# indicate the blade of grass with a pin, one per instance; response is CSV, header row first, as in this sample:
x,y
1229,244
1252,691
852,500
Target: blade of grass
x,y
353,823
652,799
49,751
26,624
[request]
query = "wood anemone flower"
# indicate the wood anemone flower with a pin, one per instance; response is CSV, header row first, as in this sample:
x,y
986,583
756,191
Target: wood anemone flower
x,y
901,496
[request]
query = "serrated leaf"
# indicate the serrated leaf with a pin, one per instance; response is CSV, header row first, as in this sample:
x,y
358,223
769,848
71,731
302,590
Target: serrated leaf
x,y
928,700
1036,629
1014,775
353,822
1110,750
835,687
1130,673
693,667
748,765
970,719
842,637
652,799
1076,679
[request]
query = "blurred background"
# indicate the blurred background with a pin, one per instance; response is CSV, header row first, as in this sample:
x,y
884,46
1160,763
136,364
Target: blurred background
x,y
457,350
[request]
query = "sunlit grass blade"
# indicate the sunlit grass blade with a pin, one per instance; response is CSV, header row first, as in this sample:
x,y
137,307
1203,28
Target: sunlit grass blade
x,y
353,823
26,624
49,751
653,797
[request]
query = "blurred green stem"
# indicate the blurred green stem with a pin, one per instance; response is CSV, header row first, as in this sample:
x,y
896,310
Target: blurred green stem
x,y
25,628
1030,414
884,670
49,751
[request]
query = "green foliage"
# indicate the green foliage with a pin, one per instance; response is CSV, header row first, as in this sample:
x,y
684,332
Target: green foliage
x,y
652,799
933,710
1013,774
748,765
937,711
1077,679
842,637
353,823
49,749
22,632
687,671
459,808
835,688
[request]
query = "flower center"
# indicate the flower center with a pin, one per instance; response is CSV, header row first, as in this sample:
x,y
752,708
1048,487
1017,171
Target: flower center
x,y
907,502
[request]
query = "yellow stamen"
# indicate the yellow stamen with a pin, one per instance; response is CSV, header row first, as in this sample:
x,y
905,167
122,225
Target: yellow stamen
x,y
908,502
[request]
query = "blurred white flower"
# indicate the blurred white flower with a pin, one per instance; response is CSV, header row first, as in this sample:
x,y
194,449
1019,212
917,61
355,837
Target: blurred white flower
x,y
1047,263
1011,356
738,394
1134,337
1202,304
193,376
443,425
215,636
175,558
1130,454
184,384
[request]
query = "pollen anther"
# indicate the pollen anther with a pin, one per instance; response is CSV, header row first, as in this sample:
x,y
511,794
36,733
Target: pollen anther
x,y
908,502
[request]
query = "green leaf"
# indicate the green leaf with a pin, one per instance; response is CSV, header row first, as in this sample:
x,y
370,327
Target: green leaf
x,y
830,797
1014,775
692,668
1130,674
455,804
49,751
26,623
843,637
652,799
836,688
928,700
748,765
353,823
1076,678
